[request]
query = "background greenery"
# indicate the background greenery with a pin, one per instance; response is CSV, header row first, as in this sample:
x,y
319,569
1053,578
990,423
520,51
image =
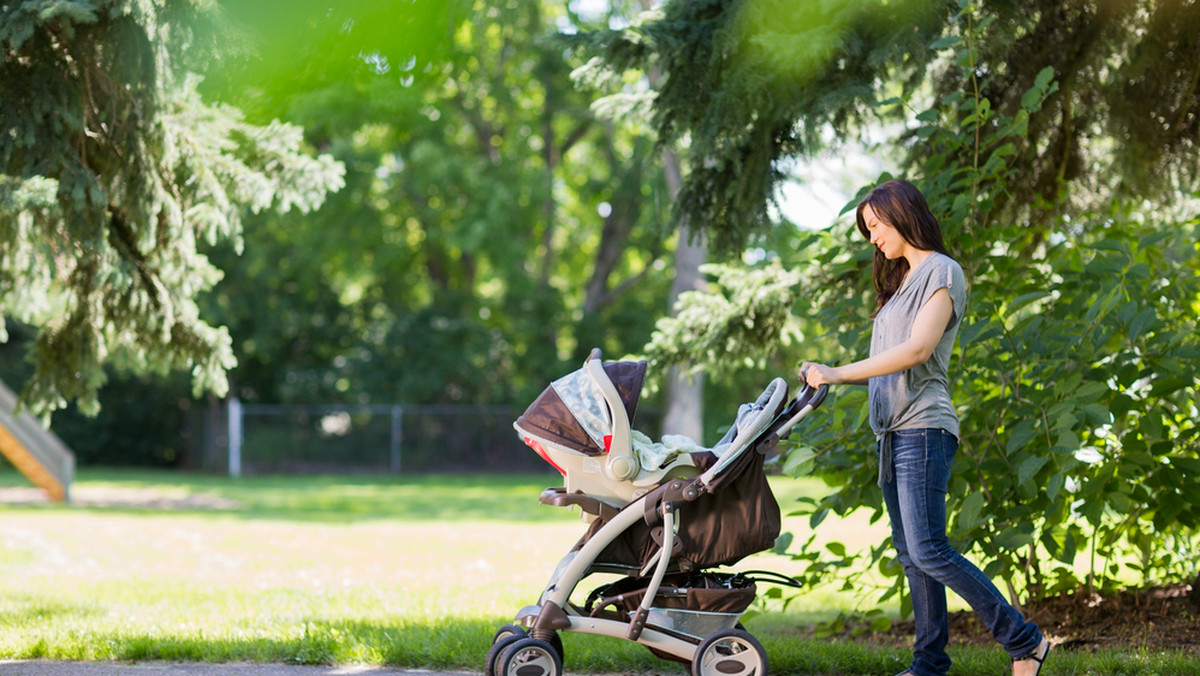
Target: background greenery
x,y
452,202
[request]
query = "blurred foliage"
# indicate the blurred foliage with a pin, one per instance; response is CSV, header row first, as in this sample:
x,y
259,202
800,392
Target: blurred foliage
x,y
1080,455
114,175
493,229
750,83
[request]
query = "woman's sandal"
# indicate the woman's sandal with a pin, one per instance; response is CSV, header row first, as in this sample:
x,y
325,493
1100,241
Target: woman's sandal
x,y
1041,660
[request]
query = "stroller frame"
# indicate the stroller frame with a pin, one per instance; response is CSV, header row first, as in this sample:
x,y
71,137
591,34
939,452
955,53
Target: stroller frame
x,y
713,643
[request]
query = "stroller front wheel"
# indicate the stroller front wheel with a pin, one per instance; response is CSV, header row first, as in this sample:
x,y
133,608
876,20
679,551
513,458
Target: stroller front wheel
x,y
500,643
731,652
529,657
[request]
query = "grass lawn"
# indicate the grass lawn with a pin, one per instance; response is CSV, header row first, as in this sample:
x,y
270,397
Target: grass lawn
x,y
412,572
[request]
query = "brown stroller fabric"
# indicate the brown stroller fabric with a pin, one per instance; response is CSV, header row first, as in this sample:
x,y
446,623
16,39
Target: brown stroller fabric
x,y
704,592
739,518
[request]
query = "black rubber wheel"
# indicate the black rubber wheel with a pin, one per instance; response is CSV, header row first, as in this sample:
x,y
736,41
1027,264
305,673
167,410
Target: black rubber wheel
x,y
529,657
730,652
555,642
509,630
499,645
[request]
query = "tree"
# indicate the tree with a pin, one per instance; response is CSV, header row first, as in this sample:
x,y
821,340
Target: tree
x,y
116,176
492,230
1078,426
749,84
1125,119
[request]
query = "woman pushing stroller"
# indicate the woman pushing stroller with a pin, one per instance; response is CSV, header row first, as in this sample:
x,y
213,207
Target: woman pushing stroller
x,y
921,293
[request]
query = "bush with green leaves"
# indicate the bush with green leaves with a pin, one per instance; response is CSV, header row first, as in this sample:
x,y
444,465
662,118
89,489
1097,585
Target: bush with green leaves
x,y
1079,462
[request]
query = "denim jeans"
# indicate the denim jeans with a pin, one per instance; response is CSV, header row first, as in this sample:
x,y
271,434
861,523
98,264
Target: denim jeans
x,y
915,495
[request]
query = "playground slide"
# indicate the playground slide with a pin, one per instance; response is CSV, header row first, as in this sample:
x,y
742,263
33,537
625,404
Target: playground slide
x,y
34,450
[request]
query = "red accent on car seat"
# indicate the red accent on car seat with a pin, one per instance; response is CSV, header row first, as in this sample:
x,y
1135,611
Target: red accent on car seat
x,y
536,446
607,443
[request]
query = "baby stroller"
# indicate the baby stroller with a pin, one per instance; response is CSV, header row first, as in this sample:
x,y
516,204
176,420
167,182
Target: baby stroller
x,y
659,514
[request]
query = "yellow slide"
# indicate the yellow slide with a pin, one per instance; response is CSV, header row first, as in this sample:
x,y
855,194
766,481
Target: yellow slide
x,y
34,450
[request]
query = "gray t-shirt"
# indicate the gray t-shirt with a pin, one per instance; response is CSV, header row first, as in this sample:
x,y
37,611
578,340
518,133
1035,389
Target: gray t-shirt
x,y
919,397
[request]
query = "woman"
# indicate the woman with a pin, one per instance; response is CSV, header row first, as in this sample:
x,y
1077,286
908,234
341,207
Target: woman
x,y
921,293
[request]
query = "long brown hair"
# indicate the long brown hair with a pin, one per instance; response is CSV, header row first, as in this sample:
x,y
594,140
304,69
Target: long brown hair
x,y
901,205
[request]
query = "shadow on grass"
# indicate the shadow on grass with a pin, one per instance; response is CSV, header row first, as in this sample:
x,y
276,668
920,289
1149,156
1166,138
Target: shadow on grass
x,y
322,498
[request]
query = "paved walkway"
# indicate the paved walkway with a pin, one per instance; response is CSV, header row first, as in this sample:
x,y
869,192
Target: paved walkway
x,y
49,668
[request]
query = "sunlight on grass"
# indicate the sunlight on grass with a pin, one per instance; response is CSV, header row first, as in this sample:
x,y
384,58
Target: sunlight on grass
x,y
409,571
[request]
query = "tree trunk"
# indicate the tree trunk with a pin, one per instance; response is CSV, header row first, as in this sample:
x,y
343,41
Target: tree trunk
x,y
684,395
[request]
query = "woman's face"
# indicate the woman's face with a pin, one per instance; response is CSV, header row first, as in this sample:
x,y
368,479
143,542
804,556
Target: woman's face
x,y
881,234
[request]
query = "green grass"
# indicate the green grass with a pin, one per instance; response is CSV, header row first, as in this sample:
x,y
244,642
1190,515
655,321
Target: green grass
x,y
413,572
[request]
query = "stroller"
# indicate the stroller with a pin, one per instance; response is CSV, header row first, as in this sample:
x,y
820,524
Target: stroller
x,y
661,515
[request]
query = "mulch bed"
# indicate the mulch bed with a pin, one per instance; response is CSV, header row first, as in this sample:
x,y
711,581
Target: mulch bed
x,y
1158,618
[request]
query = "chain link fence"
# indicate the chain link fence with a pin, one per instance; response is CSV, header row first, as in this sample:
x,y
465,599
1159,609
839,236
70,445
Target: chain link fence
x,y
274,439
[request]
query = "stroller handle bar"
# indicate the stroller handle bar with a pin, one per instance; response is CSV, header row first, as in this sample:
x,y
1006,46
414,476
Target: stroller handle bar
x,y
804,403
808,399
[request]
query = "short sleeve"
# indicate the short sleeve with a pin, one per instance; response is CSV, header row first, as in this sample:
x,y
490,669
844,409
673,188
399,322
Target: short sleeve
x,y
947,274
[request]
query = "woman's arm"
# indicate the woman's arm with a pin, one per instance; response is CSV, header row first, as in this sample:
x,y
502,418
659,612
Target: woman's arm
x,y
928,327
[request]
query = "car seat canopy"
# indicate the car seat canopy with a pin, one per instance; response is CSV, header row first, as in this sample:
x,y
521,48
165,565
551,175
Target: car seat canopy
x,y
573,413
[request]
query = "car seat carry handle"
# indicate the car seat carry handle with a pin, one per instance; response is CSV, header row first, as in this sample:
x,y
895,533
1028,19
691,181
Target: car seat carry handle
x,y
621,464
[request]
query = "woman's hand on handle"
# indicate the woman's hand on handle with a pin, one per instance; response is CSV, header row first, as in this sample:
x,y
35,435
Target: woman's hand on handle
x,y
816,375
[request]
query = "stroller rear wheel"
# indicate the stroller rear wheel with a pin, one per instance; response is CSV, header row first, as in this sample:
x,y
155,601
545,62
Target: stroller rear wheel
x,y
730,652
528,656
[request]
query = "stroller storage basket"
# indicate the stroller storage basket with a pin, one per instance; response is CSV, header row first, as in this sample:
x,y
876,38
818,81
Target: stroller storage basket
x,y
697,604
705,592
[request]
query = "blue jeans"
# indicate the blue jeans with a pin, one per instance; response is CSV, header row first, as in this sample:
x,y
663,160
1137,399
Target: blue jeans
x,y
915,496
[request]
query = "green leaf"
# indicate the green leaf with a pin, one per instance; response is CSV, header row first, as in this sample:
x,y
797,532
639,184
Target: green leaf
x,y
1097,414
969,332
1044,77
1188,465
1029,468
1068,441
1091,390
1013,538
1119,501
1144,320
1023,300
1069,548
1031,99
968,516
1021,435
1054,485
948,41
800,462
